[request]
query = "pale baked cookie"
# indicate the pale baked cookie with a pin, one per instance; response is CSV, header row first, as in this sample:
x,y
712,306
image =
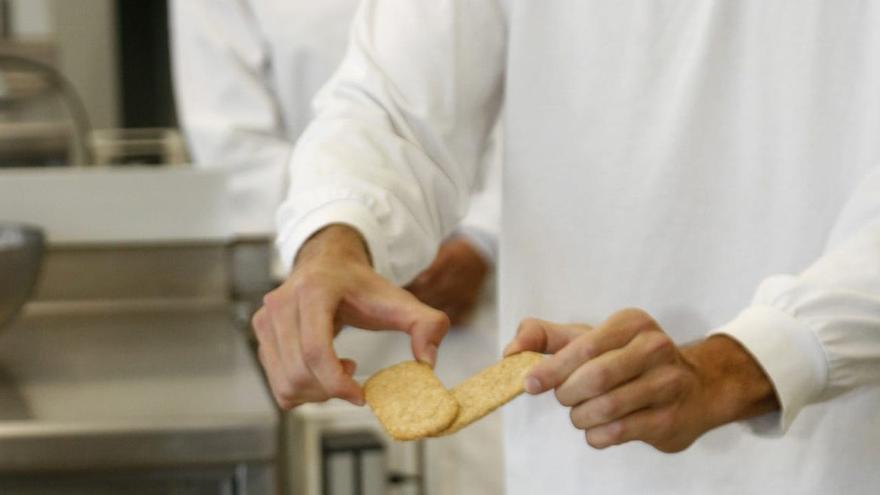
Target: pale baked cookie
x,y
410,401
490,389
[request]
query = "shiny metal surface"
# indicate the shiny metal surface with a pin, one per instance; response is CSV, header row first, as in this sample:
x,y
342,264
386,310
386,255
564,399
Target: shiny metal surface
x,y
21,251
119,272
91,387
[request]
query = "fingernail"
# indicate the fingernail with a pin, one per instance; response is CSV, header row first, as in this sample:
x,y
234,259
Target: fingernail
x,y
358,401
532,385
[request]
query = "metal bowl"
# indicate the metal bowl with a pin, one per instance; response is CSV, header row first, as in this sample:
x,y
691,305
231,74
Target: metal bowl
x,y
21,252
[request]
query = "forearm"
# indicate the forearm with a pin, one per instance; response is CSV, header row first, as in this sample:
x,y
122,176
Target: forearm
x,y
336,240
736,387
388,151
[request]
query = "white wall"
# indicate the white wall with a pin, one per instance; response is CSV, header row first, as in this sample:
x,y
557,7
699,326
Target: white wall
x,y
87,54
83,35
30,18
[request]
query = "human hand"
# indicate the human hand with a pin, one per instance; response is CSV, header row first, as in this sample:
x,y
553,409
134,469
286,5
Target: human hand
x,y
454,280
332,285
626,380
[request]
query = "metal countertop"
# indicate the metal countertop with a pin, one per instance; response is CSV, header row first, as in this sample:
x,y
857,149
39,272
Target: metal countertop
x,y
86,387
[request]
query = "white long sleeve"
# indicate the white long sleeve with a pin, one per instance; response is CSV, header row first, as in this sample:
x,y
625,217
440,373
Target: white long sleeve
x,y
226,105
664,155
817,334
482,225
400,132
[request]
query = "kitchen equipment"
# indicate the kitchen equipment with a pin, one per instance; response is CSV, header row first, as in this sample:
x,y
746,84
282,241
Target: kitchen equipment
x,y
144,146
21,251
141,397
42,119
336,440
126,372
119,206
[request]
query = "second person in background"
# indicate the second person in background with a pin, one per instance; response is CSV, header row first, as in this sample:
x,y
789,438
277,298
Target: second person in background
x,y
245,72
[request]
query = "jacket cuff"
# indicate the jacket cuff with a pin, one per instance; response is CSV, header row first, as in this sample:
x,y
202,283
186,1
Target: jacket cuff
x,y
346,212
484,242
791,356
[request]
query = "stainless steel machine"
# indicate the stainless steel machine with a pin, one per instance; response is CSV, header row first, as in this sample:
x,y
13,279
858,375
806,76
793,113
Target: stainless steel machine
x,y
128,372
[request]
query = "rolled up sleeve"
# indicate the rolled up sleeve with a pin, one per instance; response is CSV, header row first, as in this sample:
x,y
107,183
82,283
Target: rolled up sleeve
x,y
400,131
817,334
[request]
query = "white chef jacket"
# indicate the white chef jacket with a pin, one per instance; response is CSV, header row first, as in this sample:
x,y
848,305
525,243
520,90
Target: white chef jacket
x,y
244,73
714,162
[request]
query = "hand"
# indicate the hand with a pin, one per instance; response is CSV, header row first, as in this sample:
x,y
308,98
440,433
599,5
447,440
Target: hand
x,y
454,280
333,284
626,380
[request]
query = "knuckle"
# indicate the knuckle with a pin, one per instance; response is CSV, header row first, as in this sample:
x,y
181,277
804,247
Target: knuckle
x,y
284,396
439,319
542,374
305,286
602,379
585,348
299,380
312,355
660,343
285,403
307,281
526,324
664,343
607,407
638,318
336,390
615,432
271,301
674,380
633,314
262,329
299,283
665,421
259,319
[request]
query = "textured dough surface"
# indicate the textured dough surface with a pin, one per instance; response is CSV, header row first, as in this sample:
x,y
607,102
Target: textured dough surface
x,y
490,389
410,401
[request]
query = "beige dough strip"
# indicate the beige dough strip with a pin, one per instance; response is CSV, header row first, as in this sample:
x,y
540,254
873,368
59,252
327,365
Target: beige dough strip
x,y
490,389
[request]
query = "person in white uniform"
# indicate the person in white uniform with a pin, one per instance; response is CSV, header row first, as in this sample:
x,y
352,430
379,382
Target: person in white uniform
x,y
245,72
713,163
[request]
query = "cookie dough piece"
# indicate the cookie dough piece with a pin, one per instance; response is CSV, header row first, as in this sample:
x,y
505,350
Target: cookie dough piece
x,y
410,401
490,389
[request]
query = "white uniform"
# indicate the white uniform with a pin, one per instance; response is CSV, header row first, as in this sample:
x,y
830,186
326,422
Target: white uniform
x,y
710,161
245,72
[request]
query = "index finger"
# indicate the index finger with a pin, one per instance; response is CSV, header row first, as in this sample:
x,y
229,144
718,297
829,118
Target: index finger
x,y
552,372
542,336
316,341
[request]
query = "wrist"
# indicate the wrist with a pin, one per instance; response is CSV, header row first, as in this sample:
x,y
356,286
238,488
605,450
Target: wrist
x,y
734,387
338,241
